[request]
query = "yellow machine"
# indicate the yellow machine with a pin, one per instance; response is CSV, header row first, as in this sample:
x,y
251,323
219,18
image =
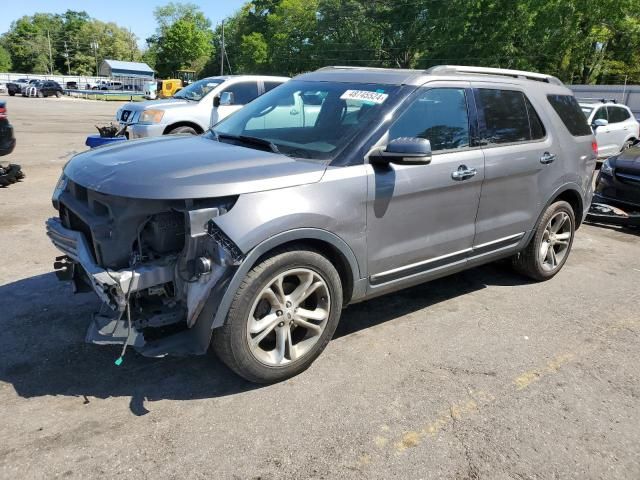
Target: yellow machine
x,y
167,88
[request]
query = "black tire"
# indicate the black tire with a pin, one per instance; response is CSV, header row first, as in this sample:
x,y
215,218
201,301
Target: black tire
x,y
528,261
40,94
230,341
12,94
628,144
177,130
58,94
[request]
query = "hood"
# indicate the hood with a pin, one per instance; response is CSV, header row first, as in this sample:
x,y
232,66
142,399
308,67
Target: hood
x,y
178,167
163,104
628,160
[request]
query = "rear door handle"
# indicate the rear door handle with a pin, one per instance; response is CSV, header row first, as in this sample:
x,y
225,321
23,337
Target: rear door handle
x,y
463,173
547,158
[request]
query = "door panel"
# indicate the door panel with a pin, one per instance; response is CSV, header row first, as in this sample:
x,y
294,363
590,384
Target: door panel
x,y
518,178
417,214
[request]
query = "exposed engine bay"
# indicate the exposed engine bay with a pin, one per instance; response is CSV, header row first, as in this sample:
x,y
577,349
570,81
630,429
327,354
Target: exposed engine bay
x,y
153,264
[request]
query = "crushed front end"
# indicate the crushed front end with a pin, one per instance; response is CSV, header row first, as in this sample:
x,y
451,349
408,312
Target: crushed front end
x,y
154,264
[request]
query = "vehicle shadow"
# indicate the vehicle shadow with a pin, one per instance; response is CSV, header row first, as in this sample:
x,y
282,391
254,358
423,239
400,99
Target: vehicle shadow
x,y
42,349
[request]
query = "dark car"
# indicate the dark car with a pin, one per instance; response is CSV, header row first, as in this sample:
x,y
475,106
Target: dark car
x,y
14,88
618,182
7,140
48,88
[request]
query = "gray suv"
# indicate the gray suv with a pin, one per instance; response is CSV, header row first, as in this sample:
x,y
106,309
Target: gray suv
x,y
338,186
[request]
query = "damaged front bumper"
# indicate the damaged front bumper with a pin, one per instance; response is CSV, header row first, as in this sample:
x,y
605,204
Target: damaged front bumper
x,y
612,215
160,323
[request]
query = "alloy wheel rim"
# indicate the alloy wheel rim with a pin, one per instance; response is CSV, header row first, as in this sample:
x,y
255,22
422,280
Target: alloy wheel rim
x,y
555,241
288,317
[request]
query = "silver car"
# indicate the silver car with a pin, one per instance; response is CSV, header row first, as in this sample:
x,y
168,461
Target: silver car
x,y
338,186
196,107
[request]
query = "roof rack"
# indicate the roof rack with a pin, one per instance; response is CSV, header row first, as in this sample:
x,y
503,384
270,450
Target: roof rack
x,y
539,77
601,100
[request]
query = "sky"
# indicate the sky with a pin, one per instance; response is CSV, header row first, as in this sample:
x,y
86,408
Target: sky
x,y
134,14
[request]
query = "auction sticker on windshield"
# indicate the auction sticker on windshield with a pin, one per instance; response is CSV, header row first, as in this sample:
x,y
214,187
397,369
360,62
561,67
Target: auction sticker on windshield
x,y
365,96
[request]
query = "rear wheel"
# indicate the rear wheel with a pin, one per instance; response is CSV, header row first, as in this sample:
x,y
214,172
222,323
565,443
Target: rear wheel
x,y
58,94
177,130
40,94
282,316
628,144
551,244
12,94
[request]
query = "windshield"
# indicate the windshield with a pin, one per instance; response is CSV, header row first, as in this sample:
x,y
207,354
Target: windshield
x,y
587,111
313,120
198,90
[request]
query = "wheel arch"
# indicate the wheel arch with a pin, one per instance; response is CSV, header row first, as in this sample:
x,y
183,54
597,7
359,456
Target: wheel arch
x,y
327,243
184,123
569,193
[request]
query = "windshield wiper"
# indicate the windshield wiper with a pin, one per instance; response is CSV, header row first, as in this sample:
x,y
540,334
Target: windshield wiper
x,y
248,140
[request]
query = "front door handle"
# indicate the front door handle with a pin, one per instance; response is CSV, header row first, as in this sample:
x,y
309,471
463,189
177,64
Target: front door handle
x,y
547,158
463,173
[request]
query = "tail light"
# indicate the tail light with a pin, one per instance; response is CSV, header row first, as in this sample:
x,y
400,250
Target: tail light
x,y
594,147
3,112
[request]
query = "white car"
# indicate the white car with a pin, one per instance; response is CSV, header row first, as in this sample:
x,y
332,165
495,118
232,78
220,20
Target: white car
x,y
196,107
613,124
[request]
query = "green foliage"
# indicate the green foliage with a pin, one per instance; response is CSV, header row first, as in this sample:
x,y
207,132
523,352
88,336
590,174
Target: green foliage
x,y
184,39
66,43
5,60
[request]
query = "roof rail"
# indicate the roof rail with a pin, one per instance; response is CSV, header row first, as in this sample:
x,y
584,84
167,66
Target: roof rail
x,y
539,77
597,99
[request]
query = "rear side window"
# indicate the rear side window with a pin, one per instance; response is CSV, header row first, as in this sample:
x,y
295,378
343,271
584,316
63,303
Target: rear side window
x,y
268,86
505,117
617,114
570,113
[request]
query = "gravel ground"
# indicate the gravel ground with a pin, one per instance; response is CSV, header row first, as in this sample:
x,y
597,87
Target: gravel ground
x,y
481,375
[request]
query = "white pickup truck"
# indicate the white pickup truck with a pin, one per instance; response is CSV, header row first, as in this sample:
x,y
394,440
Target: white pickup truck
x,y
194,108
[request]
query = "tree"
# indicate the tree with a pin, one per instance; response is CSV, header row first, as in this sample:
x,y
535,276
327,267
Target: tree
x,y
183,40
5,60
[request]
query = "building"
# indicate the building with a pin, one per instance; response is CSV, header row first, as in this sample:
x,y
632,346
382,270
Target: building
x,y
117,68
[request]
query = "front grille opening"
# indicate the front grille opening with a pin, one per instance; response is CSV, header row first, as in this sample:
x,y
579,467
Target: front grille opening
x,y
73,222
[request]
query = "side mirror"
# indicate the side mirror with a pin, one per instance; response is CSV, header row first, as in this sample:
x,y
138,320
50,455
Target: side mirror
x,y
601,122
216,101
403,150
227,98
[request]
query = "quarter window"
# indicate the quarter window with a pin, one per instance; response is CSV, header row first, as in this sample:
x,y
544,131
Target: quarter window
x,y
440,115
570,113
243,93
268,86
506,119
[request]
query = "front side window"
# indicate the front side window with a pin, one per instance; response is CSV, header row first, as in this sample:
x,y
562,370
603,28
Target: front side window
x,y
504,117
306,119
243,93
617,114
439,115
601,114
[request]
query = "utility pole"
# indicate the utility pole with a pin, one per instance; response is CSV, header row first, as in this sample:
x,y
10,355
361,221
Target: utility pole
x,y
222,52
94,44
66,54
50,54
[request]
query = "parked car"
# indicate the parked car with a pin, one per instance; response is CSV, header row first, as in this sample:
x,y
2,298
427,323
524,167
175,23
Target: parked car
x,y
7,139
3,87
255,235
614,125
46,88
71,85
16,86
30,83
107,85
618,181
196,107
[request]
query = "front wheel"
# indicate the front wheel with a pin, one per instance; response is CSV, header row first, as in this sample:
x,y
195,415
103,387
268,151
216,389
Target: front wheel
x,y
551,244
58,94
282,316
178,130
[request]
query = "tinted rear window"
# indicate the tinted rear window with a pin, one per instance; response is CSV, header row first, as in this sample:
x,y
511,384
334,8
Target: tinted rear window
x,y
570,113
506,119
